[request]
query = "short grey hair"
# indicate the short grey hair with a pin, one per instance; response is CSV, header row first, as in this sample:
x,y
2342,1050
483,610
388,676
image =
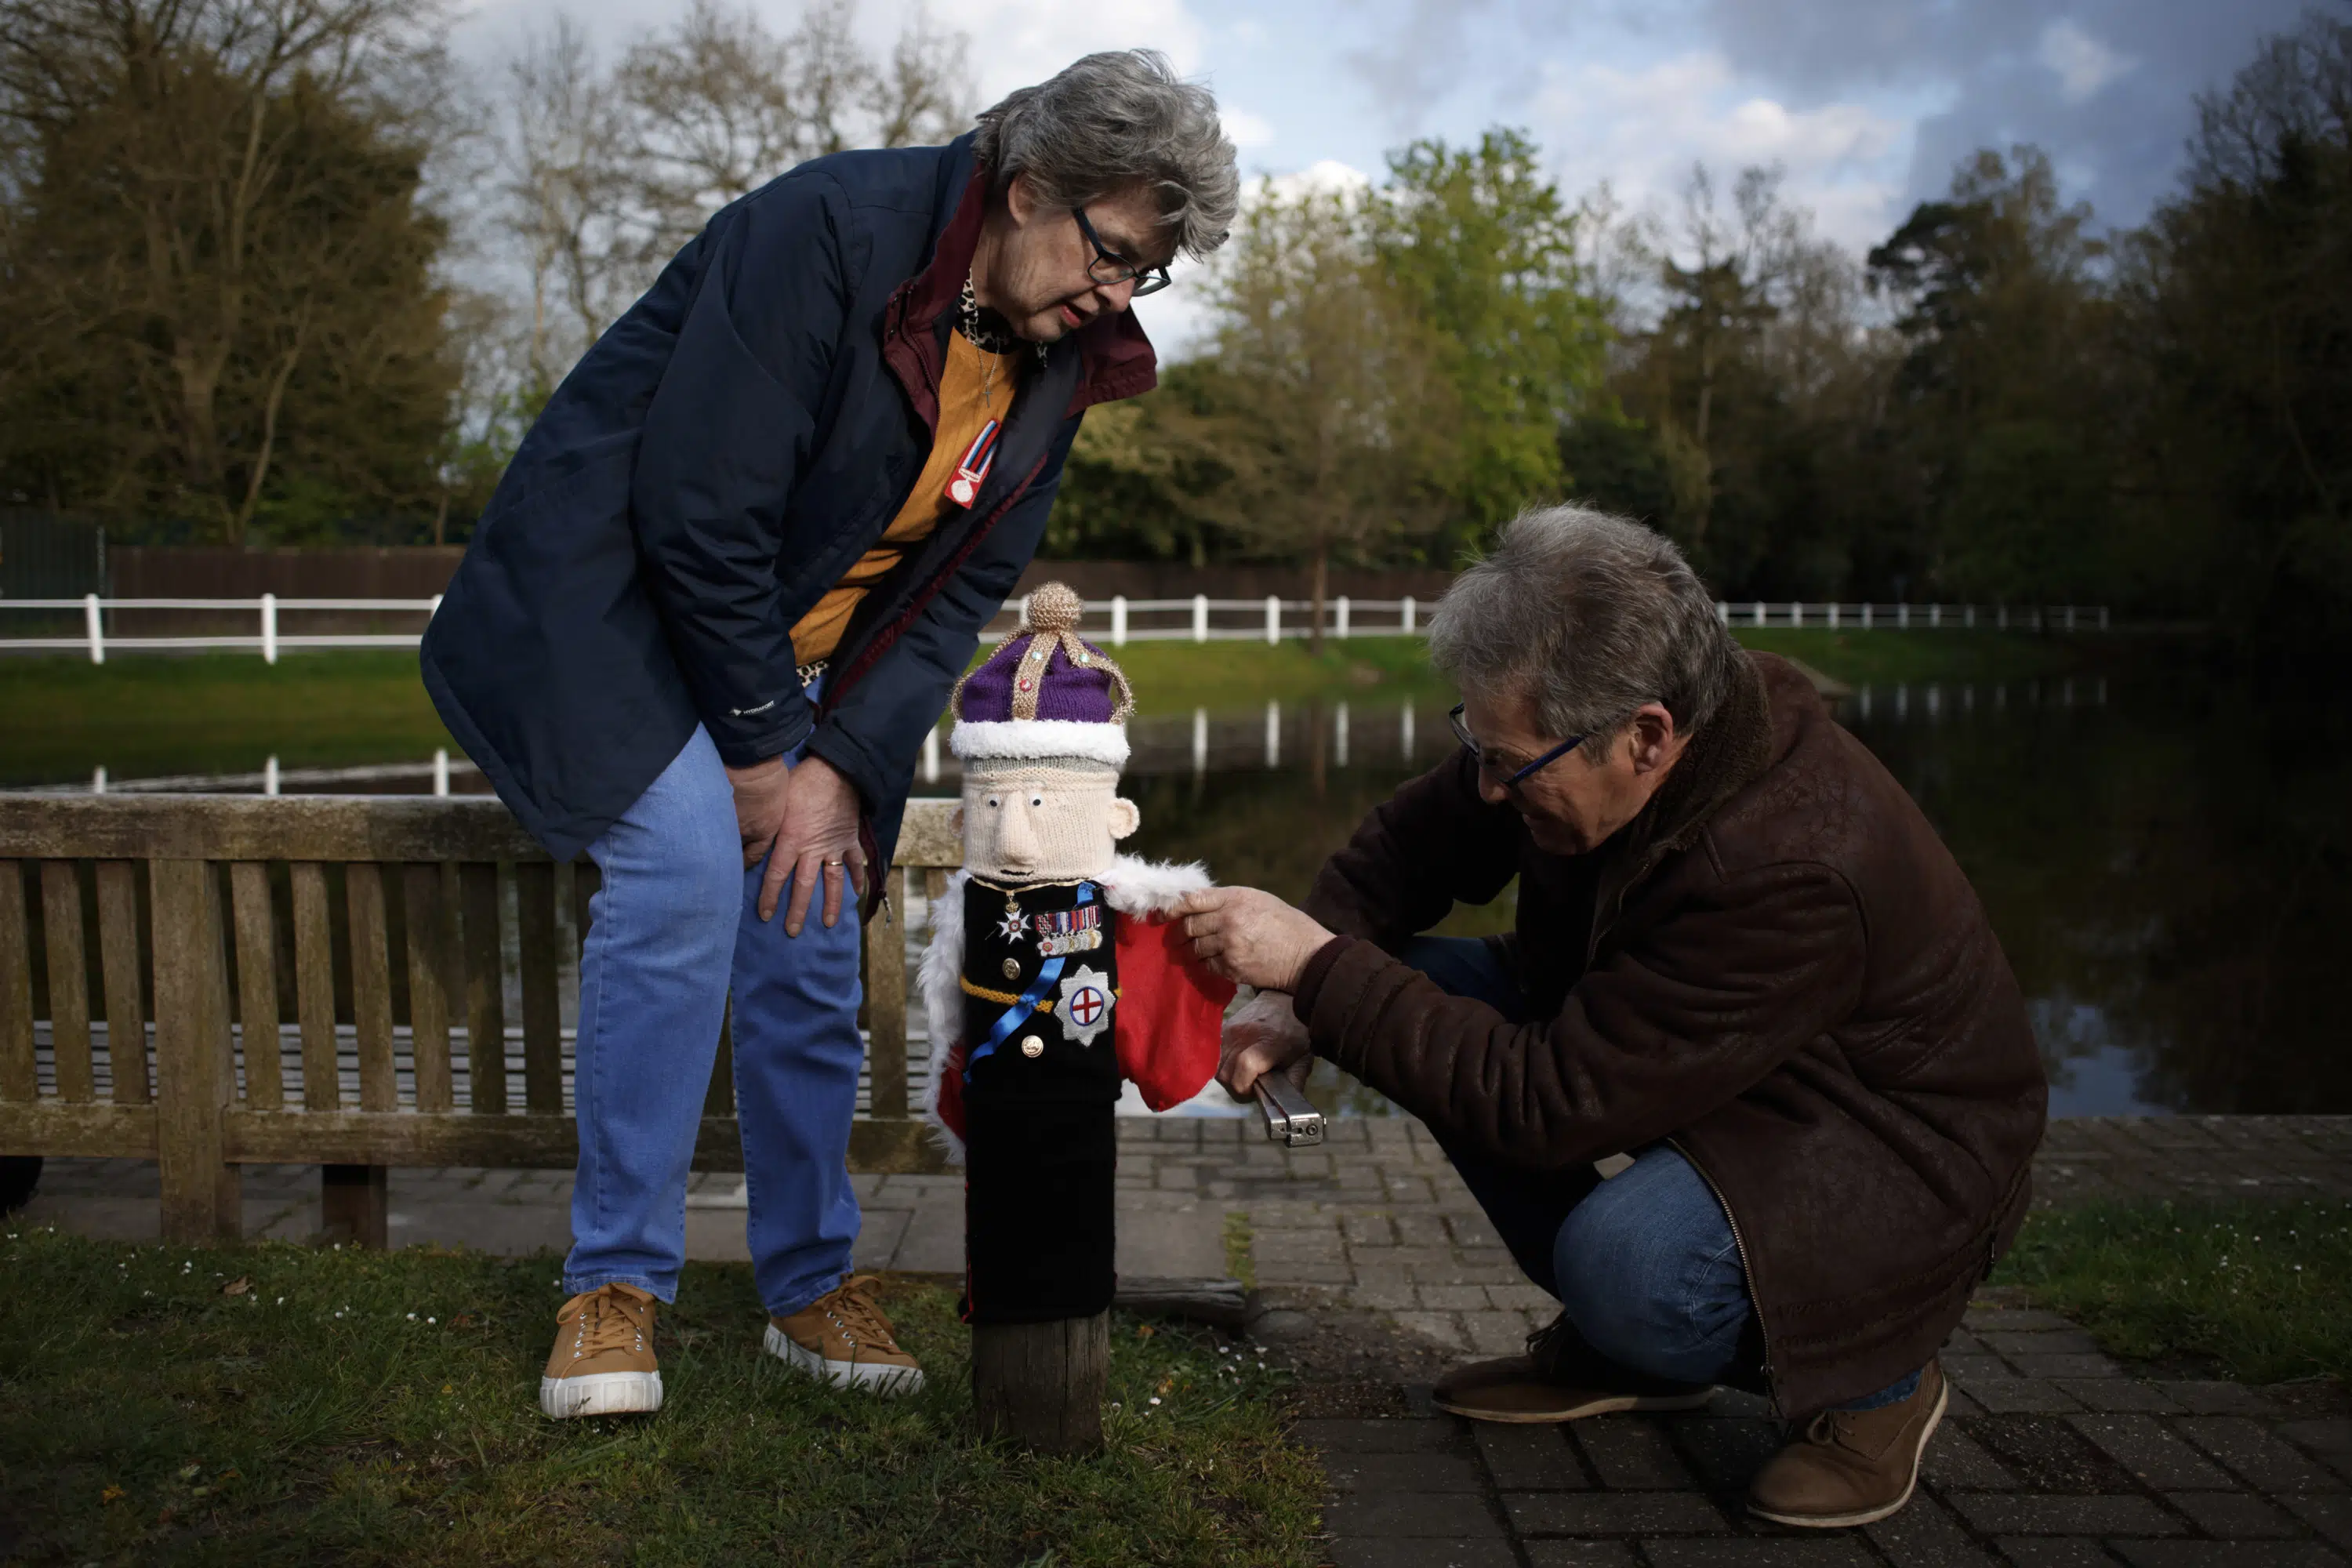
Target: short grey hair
x,y
1117,121
1591,616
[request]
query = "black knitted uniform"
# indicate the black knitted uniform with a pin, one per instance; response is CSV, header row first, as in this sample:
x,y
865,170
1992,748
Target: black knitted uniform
x,y
1039,1146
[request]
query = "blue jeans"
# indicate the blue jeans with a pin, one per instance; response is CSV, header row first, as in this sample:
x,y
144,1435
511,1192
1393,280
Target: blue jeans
x,y
672,930
1643,1264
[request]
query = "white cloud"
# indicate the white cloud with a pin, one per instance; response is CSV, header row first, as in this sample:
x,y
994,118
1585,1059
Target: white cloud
x,y
1642,128
2082,63
1247,129
1017,42
1326,176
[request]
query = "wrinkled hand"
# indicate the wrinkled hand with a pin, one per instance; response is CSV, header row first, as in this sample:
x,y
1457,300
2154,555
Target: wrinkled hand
x,y
1250,936
803,821
1263,1036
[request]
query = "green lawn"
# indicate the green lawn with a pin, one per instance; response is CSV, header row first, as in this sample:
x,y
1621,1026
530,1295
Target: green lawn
x,y
2262,1290
360,1408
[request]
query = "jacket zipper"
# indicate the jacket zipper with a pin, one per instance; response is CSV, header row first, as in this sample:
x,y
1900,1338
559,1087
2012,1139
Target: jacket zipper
x,y
1746,1273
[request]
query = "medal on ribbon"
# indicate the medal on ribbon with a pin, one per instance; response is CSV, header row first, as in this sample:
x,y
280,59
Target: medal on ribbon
x,y
971,469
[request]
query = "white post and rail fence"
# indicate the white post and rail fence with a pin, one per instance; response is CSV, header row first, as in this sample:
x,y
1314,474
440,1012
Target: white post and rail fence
x,y
278,625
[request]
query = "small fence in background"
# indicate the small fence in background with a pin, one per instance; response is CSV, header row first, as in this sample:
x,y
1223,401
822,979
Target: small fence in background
x,y
1906,617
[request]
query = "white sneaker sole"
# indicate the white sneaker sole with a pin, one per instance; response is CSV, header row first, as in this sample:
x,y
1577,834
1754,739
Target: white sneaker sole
x,y
600,1393
1870,1515
1606,1405
874,1378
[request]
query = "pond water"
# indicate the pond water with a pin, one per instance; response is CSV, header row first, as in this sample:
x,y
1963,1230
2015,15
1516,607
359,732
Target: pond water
x,y
2169,865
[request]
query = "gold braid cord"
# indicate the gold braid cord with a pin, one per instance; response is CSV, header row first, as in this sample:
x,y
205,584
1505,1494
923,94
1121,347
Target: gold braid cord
x,y
1050,622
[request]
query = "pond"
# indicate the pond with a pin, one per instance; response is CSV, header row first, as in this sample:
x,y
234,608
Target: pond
x,y
2169,864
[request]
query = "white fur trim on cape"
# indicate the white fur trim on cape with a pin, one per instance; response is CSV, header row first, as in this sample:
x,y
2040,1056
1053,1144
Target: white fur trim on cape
x,y
1039,738
1132,887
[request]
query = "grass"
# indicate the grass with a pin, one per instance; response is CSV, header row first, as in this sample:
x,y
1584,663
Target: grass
x,y
2262,1290
380,1408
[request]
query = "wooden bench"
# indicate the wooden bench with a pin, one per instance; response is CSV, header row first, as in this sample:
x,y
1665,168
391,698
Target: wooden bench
x,y
337,981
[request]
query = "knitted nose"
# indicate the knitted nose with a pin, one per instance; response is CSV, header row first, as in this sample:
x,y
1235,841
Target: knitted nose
x,y
1016,840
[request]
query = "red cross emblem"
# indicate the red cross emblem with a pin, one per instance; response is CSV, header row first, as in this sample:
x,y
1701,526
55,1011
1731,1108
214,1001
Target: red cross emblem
x,y
1087,1006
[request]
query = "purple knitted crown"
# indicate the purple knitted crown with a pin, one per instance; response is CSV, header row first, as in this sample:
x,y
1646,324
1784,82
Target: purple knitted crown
x,y
1045,692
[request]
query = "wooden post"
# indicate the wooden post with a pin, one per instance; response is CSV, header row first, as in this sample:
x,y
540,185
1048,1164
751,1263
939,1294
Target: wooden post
x,y
1042,1384
194,1074
353,1205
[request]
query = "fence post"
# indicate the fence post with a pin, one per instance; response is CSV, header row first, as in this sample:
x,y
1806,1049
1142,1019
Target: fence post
x,y
1199,618
2002,612
2070,618
1935,615
1119,620
1833,615
1968,615
97,625
1902,616
269,628
1865,616
441,771
1341,630
931,755
2102,624
1722,613
1272,619
1759,612
193,1074
1405,615
1797,614
1273,735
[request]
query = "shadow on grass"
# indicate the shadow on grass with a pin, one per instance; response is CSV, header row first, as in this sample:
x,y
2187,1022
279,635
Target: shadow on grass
x,y
380,1408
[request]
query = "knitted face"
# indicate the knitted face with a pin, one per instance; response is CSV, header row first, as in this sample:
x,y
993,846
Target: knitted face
x,y
1055,820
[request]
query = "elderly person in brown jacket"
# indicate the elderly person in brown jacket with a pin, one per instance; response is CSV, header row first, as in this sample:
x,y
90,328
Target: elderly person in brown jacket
x,y
1742,956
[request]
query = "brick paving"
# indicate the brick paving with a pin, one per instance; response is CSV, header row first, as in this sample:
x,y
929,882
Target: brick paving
x,y
2053,1453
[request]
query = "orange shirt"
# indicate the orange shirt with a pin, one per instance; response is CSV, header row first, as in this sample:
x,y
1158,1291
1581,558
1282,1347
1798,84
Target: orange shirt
x,y
975,387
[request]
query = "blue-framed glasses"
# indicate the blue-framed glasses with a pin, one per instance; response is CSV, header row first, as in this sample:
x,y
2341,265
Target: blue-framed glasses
x,y
1470,744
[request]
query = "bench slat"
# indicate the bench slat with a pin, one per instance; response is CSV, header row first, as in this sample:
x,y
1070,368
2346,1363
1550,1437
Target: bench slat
x,y
118,955
61,925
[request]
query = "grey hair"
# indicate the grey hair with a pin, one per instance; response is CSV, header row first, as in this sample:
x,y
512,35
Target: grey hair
x,y
1115,121
1591,616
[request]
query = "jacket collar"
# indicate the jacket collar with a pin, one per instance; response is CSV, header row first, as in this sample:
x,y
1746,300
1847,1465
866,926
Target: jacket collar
x,y
1116,360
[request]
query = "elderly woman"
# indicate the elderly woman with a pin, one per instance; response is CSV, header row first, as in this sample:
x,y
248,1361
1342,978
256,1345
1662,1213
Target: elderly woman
x,y
720,598
1741,956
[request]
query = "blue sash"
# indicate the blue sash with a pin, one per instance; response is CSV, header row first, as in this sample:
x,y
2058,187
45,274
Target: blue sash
x,y
1019,1013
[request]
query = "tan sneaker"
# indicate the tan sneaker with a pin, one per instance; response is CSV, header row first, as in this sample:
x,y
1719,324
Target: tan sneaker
x,y
1558,1379
1851,1467
602,1364
842,1337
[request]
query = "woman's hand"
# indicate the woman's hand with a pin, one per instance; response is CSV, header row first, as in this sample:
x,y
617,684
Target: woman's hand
x,y
804,820
1263,1036
1251,937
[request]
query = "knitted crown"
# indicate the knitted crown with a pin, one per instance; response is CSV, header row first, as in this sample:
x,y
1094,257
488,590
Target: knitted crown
x,y
1045,692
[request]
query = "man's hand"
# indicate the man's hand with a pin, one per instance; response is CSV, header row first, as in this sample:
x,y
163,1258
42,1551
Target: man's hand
x,y
805,821
1263,1036
1251,937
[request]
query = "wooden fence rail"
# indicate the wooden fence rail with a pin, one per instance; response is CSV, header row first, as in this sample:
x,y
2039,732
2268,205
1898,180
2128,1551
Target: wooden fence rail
x,y
199,962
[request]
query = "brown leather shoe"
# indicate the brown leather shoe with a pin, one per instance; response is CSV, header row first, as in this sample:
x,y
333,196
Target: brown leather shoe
x,y
602,1364
844,1337
1558,1379
1851,1467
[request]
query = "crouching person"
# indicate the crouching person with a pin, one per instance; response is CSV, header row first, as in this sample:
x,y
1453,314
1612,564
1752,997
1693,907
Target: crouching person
x,y
1741,956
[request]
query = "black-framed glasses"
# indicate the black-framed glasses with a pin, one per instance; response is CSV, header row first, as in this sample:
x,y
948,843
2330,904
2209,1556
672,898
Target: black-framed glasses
x,y
1470,744
1110,267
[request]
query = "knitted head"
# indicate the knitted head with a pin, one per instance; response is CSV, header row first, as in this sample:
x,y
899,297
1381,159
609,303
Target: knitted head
x,y
1041,727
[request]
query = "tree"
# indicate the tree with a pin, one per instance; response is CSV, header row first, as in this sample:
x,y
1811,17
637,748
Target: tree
x,y
217,245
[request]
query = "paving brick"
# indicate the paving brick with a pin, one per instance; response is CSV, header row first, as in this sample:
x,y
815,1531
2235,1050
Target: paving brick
x,y
1926,1535
1981,1319
1612,1513
2012,1513
1393,1436
2329,1435
2235,1516
1455,1273
1440,1328
1496,1333
1367,1230
1385,1296
2329,1513
2201,1398
1632,1452
1452,1298
2021,1396
1726,1452
1830,1552
2147,1447
1413,1551
2068,1365
1969,1368
2055,1551
1530,1458
1957,1462
2068,1340
1449,1515
1422,1230
1272,1272
2226,1554
2253,1453
1579,1554
1422,1472
1526,1297
2119,1395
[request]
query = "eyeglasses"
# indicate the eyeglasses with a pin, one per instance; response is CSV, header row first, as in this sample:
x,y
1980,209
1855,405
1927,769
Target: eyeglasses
x,y
1110,267
1485,770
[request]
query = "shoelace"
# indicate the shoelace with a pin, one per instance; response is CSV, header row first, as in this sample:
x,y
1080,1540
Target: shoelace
x,y
861,1320
602,1325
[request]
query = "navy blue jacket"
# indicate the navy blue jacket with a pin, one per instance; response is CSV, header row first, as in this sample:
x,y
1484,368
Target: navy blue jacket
x,y
715,464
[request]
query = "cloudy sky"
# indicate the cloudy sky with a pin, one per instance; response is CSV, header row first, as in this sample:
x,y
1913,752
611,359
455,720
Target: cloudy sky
x,y
1867,104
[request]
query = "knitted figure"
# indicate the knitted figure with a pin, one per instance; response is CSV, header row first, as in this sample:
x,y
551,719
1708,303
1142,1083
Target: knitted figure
x,y
1053,972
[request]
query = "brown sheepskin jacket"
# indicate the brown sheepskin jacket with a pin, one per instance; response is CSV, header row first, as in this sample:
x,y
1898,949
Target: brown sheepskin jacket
x,y
1777,968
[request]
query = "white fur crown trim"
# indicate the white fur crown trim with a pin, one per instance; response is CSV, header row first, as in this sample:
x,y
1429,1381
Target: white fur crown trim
x,y
1038,737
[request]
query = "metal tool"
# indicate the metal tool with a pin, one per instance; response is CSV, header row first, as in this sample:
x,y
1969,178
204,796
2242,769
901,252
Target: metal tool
x,y
1290,1118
